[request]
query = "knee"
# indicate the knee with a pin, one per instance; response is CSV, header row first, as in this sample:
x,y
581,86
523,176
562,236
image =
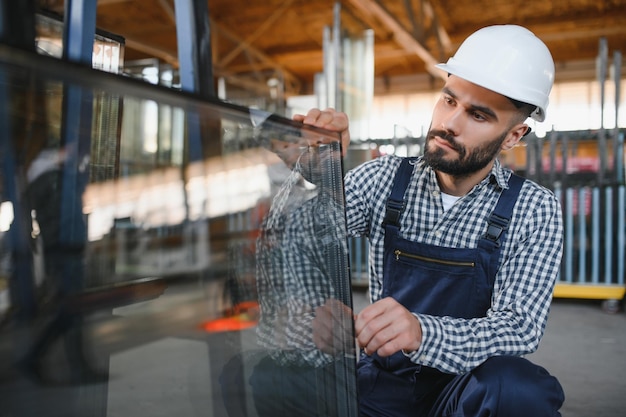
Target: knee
x,y
519,386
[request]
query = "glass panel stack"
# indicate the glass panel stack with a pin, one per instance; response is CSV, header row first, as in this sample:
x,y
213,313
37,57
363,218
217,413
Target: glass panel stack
x,y
166,255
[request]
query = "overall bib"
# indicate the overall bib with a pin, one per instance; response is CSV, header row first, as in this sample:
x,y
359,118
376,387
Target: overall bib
x,y
433,280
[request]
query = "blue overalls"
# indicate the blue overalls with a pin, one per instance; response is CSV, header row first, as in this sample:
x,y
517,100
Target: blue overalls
x,y
454,282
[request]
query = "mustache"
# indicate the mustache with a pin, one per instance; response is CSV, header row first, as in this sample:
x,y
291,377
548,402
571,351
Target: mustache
x,y
447,137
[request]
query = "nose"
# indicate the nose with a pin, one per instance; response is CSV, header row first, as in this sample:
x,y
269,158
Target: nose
x,y
453,121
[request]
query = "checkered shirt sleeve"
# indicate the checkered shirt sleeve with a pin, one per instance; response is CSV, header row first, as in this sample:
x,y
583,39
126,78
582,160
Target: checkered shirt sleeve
x,y
528,266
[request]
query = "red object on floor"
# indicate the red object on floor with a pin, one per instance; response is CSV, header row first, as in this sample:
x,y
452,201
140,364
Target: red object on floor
x,y
242,316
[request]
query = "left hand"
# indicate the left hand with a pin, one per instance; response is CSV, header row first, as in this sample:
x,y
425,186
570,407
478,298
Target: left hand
x,y
387,327
332,328
329,119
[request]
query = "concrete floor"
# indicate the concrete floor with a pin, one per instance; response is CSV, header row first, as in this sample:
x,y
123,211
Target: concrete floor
x,y
586,349
160,365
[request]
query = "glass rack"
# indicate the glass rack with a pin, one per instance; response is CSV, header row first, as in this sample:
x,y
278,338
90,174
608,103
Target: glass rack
x,y
163,254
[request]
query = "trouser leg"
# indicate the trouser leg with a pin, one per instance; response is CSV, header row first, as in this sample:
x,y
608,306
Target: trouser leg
x,y
406,392
502,386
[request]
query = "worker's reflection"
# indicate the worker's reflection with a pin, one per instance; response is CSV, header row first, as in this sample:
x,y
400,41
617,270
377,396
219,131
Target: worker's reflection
x,y
55,214
305,327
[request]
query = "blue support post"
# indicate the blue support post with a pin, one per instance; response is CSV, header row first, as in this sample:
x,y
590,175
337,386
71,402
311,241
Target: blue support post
x,y
17,28
195,62
194,47
76,125
22,283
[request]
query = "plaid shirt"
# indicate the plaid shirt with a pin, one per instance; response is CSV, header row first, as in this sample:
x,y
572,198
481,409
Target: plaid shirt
x,y
528,266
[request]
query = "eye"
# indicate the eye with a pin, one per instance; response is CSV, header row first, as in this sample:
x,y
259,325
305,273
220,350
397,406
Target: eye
x,y
478,116
448,100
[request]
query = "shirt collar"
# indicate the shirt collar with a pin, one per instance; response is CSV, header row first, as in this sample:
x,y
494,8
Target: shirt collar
x,y
499,175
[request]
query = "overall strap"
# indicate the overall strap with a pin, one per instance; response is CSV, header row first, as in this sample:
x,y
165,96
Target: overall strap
x,y
498,220
395,202
501,216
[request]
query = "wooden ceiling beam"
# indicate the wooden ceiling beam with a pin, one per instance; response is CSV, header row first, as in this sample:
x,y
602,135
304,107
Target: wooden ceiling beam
x,y
290,80
168,8
155,51
246,43
401,36
442,34
582,33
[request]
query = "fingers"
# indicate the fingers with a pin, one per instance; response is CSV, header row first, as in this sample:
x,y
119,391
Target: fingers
x,y
329,119
386,327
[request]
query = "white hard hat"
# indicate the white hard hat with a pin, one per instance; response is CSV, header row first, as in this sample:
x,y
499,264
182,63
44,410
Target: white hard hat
x,y
509,60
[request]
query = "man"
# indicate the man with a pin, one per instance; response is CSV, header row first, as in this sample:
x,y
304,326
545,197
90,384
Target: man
x,y
464,255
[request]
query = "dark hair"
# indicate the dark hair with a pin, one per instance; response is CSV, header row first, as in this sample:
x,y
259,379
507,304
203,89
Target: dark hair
x,y
525,109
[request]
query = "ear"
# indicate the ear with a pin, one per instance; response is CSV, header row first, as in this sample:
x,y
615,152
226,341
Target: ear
x,y
516,134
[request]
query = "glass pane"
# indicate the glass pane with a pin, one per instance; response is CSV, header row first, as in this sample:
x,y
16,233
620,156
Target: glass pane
x,y
164,255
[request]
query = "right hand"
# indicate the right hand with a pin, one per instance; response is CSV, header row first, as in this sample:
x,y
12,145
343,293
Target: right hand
x,y
386,327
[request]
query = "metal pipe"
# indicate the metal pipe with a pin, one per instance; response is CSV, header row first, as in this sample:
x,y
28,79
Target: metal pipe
x,y
618,138
601,74
582,235
608,235
595,235
568,250
621,235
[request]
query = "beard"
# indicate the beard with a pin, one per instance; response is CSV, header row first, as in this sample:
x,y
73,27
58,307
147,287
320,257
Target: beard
x,y
467,163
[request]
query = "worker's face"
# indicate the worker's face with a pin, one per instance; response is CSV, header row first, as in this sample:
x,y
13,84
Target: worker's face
x,y
470,126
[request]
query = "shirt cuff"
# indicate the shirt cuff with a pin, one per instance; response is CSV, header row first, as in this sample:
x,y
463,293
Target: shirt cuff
x,y
426,353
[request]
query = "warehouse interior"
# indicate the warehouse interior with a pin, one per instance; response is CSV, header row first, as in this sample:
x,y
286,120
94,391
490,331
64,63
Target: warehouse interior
x,y
174,120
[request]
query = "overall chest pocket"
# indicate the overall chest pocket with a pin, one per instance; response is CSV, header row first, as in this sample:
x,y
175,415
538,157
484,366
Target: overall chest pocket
x,y
438,281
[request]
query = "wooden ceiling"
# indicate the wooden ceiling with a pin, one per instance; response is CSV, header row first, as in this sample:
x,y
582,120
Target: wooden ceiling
x,y
251,38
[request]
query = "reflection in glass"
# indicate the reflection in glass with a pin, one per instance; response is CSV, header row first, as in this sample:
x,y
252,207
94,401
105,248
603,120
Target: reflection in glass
x,y
164,255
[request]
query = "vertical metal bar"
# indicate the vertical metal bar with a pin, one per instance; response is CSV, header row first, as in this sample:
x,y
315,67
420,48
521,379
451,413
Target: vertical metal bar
x,y
326,94
618,138
608,235
195,64
539,161
619,158
17,28
582,236
337,56
564,156
78,38
79,31
529,159
621,234
194,47
22,283
558,192
76,131
595,235
601,74
553,140
568,250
